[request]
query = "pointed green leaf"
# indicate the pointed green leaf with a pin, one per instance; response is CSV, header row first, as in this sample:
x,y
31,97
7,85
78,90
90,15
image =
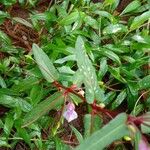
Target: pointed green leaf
x,y
73,17
86,68
111,55
40,109
116,73
9,121
116,28
104,14
64,59
131,7
44,63
144,83
2,83
139,20
11,102
119,99
114,130
77,134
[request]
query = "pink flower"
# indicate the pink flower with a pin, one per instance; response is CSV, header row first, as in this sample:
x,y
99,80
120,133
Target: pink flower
x,y
70,113
143,145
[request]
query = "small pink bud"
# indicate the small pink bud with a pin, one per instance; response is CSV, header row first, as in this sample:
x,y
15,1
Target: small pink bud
x,y
70,113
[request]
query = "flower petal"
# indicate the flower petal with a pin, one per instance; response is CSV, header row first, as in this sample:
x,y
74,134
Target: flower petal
x,y
70,115
143,145
70,106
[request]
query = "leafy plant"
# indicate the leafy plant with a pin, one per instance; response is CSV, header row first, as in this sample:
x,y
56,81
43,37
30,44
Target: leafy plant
x,y
88,61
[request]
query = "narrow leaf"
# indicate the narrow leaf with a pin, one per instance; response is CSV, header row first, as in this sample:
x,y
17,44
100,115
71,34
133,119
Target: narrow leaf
x,y
139,20
131,7
119,99
2,83
23,21
44,63
50,103
11,102
85,66
77,133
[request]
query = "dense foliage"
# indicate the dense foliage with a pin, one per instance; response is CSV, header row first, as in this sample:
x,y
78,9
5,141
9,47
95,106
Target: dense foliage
x,y
74,74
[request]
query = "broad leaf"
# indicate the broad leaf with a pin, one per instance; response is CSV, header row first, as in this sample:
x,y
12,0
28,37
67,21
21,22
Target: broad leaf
x,y
45,65
114,130
11,102
131,7
105,14
139,20
144,83
116,28
85,66
40,109
73,17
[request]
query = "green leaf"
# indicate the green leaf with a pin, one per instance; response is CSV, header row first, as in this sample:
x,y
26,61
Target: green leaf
x,y
140,39
114,130
131,7
22,132
36,94
109,2
25,84
116,73
12,102
87,125
3,143
111,55
145,129
105,14
8,124
139,20
103,68
112,29
4,38
85,67
45,65
3,14
119,99
91,22
73,17
77,133
67,58
109,97
92,123
40,109
65,69
144,83
2,83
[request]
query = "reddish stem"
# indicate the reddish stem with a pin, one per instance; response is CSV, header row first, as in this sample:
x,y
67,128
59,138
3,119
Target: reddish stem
x,y
95,107
136,120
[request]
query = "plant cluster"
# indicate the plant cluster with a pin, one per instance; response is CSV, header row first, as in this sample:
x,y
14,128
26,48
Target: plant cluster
x,y
75,75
